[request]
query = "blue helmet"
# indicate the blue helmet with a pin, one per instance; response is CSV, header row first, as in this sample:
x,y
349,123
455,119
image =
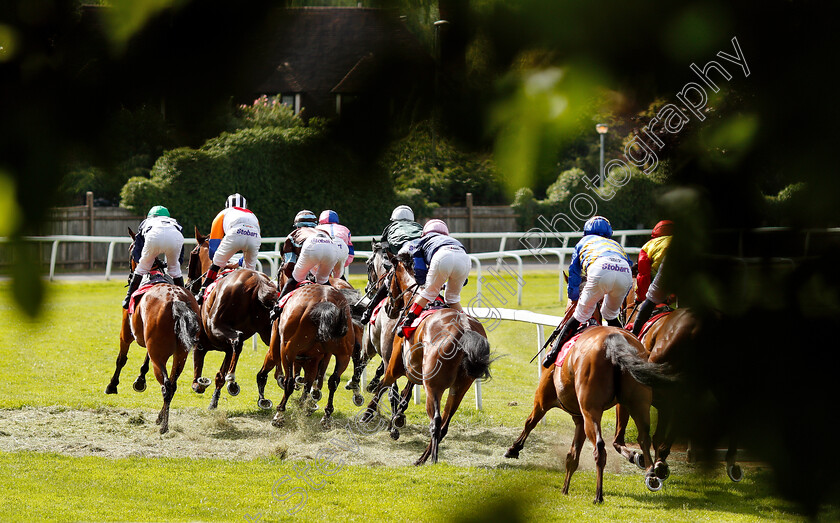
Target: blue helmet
x,y
328,216
599,226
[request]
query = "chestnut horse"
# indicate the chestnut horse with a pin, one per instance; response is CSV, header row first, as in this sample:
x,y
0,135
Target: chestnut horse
x,y
671,339
316,324
236,309
448,350
165,322
604,366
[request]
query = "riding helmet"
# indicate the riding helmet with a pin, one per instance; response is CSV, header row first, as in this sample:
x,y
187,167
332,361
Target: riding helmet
x,y
663,228
158,210
403,212
236,200
328,216
437,226
598,225
305,218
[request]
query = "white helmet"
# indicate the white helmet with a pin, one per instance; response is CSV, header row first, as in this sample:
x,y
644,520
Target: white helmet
x,y
236,200
403,212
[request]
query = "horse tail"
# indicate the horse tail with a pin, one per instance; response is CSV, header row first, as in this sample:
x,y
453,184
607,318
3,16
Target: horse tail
x,y
330,320
476,360
624,355
186,325
353,297
267,294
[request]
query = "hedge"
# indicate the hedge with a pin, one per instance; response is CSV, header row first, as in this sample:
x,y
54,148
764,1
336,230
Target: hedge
x,y
279,170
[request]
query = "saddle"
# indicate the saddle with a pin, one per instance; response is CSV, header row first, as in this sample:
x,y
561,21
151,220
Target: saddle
x,y
221,275
148,281
661,311
431,307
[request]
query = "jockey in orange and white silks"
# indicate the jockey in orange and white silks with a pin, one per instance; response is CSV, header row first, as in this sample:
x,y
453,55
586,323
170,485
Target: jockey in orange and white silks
x,y
438,259
328,222
602,262
158,234
308,249
234,229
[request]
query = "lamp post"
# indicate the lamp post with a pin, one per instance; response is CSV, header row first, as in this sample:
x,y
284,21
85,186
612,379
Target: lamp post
x,y
438,25
602,130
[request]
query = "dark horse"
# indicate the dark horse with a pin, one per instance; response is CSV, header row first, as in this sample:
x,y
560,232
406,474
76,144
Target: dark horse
x,y
165,322
315,325
236,308
671,339
448,350
604,366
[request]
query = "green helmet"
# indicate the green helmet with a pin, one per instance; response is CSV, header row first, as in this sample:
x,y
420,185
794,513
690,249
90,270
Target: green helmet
x,y
158,210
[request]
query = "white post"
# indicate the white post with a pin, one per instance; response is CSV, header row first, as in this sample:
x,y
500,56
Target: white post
x,y
540,341
478,394
53,254
416,393
110,261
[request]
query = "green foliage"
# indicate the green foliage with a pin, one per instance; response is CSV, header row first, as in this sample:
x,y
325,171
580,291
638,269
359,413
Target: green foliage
x,y
443,174
266,112
280,171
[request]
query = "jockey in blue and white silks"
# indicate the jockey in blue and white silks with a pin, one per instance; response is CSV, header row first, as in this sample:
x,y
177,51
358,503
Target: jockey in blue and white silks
x,y
602,262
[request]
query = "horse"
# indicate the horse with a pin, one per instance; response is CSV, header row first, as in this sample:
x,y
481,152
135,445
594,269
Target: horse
x,y
165,322
448,350
602,367
316,324
672,337
236,308
378,338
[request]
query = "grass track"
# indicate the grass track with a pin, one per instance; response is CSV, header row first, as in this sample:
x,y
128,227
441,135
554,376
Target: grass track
x,y
67,357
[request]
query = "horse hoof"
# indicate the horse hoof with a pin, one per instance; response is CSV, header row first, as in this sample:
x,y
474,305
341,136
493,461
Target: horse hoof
x,y
399,421
326,422
351,385
511,453
164,430
299,381
662,470
734,472
203,381
358,399
395,434
139,385
110,389
264,404
372,386
316,394
278,420
280,382
653,483
233,388
639,460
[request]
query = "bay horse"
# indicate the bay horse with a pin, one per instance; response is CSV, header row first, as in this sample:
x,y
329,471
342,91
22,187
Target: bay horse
x,y
672,338
376,339
164,322
236,308
315,325
604,366
448,350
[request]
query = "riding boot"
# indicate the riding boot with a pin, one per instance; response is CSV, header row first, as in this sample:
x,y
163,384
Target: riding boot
x,y
379,296
642,316
615,322
413,312
133,284
290,285
179,281
212,273
568,330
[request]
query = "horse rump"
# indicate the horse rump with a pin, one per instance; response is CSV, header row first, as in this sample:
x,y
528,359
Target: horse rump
x,y
477,360
330,321
186,325
624,355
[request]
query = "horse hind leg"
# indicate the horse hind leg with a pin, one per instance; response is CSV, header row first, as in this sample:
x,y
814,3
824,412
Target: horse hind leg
x,y
230,376
340,364
122,357
374,382
139,384
592,428
262,379
622,417
435,423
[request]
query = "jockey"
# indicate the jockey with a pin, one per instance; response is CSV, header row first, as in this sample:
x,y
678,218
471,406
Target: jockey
x,y
606,267
234,229
655,295
651,256
438,259
400,231
328,221
159,233
310,249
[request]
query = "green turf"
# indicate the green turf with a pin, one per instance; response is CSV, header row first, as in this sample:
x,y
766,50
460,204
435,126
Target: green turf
x,y
66,358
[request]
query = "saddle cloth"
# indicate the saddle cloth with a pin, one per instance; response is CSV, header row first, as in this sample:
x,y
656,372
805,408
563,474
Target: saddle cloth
x,y
212,286
149,281
377,309
434,307
284,299
567,347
